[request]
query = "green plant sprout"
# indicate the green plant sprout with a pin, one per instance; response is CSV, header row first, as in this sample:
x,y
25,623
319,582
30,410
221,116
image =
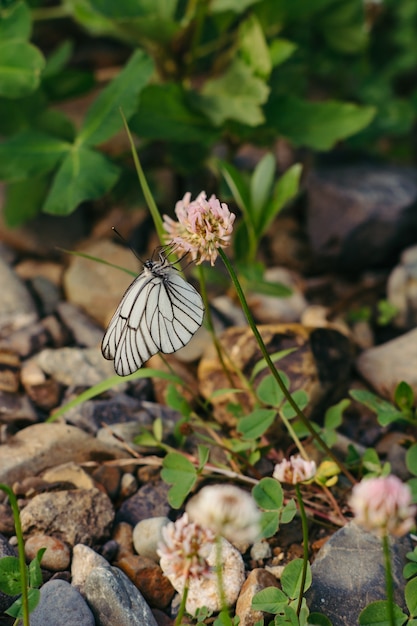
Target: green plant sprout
x,y
17,578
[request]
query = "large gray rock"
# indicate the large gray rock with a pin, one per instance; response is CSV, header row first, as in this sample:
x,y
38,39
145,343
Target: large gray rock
x,y
361,216
40,446
75,516
114,599
349,573
61,603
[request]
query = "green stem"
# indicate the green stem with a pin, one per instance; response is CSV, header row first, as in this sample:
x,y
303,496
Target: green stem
x,y
220,583
276,374
21,552
181,610
50,13
305,546
389,587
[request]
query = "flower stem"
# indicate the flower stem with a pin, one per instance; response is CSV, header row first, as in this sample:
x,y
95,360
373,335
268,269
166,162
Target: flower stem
x,y
305,546
389,587
21,552
276,374
220,583
181,610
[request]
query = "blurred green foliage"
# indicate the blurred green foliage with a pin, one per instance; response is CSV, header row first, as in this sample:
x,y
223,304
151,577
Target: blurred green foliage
x,y
197,73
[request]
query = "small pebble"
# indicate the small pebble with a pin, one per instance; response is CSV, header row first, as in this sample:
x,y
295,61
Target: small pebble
x,y
57,555
146,536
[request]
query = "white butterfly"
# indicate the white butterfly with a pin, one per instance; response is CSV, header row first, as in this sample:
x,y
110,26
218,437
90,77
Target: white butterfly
x,y
160,312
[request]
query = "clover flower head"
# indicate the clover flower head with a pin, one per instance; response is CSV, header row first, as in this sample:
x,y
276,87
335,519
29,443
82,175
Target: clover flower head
x,y
227,511
383,505
184,548
203,226
295,470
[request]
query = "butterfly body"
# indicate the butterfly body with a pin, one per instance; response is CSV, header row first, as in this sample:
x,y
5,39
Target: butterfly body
x,y
159,312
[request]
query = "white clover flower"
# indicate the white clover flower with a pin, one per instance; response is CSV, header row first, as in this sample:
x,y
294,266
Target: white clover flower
x,y
184,548
227,511
295,470
203,226
383,505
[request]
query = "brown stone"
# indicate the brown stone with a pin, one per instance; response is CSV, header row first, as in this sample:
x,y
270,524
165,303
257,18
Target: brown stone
x,y
148,577
123,534
257,580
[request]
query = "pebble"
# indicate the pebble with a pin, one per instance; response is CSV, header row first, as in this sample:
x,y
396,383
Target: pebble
x,y
109,477
61,603
386,365
28,340
16,408
9,371
348,574
57,556
123,534
260,550
44,392
147,535
81,367
69,473
273,309
120,409
84,560
83,329
257,580
150,500
203,591
148,577
114,599
128,485
40,446
76,516
17,308
95,287
402,289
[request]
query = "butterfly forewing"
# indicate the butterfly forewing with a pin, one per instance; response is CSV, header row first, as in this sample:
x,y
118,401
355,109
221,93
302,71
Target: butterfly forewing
x,y
160,312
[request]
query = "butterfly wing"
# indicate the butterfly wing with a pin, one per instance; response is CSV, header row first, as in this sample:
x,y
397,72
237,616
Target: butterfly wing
x,y
159,312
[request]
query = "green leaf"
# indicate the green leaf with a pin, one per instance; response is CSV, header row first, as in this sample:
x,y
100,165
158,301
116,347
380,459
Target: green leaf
x,y
376,614
135,8
268,494
301,398
269,523
203,455
253,46
411,459
30,153
261,185
59,58
276,356
412,483
280,50
83,175
10,582
237,6
21,65
165,114
269,392
16,610
385,411
235,95
35,572
237,185
333,416
103,118
15,22
181,474
288,512
317,125
285,190
269,600
404,396
291,578
175,399
410,595
318,619
255,424
24,200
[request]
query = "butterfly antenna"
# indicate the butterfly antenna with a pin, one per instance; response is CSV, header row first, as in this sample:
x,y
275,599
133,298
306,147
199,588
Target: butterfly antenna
x,y
114,229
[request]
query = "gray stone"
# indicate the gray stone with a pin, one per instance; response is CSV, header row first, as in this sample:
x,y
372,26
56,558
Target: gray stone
x,y
81,367
84,560
402,289
61,603
386,365
40,446
348,574
149,501
85,332
361,216
114,599
90,415
147,535
75,516
17,308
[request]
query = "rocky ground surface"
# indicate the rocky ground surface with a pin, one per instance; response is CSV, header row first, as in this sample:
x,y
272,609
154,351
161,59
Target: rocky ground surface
x,y
94,498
